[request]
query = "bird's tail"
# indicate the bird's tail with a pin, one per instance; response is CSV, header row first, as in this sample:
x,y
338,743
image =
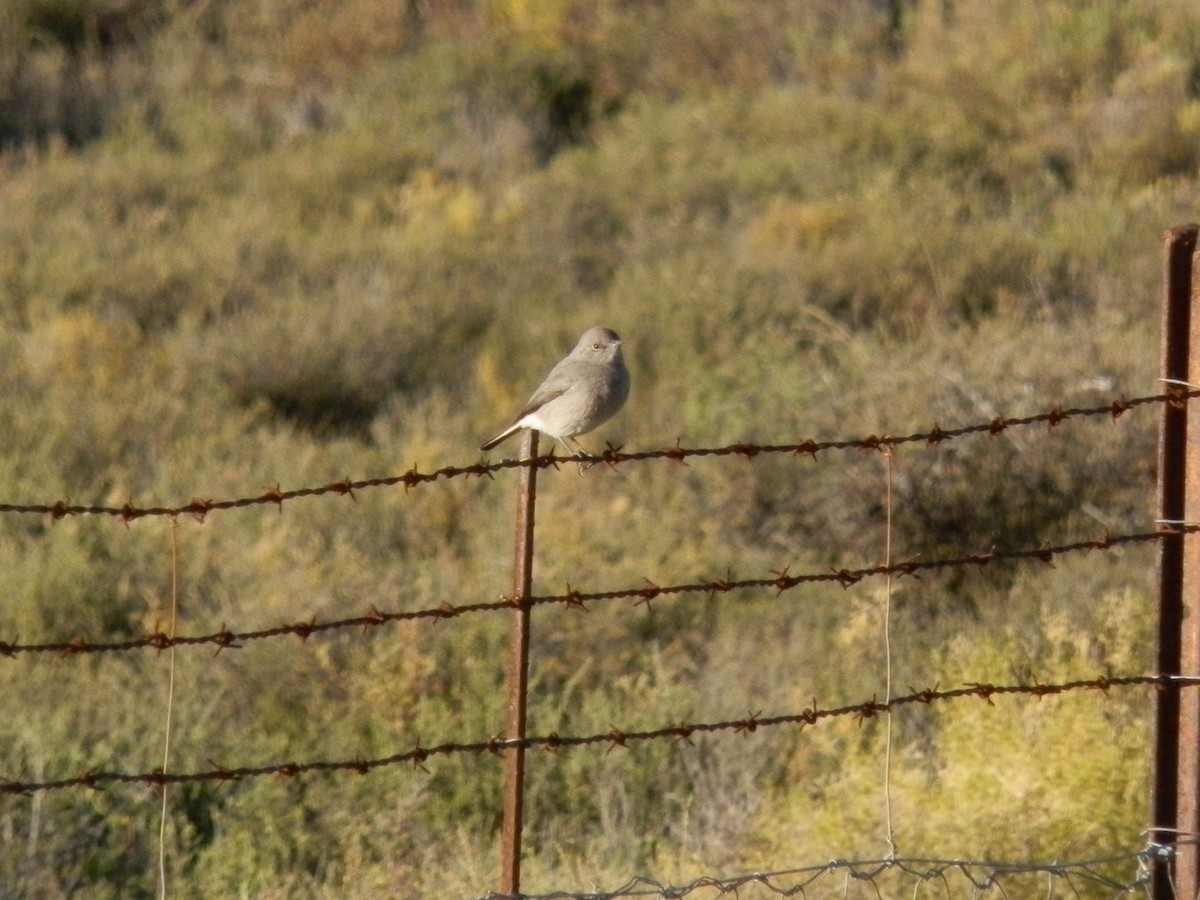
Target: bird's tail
x,y
500,437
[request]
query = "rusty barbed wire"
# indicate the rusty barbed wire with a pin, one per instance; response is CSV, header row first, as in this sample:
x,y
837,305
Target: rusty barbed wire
x,y
234,640
614,737
199,508
226,639
976,875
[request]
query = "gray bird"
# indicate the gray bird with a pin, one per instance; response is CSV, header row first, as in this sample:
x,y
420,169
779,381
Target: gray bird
x,y
582,392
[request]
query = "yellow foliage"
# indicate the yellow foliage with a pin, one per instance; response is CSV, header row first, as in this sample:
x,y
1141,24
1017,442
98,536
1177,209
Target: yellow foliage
x,y
788,225
78,346
427,201
539,22
494,389
1187,119
329,37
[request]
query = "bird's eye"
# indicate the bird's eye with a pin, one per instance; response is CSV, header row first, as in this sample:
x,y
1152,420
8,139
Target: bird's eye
x,y
595,346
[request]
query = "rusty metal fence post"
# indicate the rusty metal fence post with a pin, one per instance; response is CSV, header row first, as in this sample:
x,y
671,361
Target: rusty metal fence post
x,y
1177,715
518,672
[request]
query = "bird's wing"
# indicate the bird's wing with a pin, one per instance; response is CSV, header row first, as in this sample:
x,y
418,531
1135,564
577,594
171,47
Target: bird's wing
x,y
561,379
540,398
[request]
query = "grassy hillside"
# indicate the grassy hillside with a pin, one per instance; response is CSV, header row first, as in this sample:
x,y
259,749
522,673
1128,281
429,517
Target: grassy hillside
x,y
249,243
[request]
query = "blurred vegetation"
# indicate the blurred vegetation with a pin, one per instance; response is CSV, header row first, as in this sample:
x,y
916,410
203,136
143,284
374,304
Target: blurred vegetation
x,y
258,242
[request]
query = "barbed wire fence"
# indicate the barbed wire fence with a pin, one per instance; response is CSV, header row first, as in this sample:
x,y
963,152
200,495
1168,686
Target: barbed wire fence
x,y
788,882
1149,870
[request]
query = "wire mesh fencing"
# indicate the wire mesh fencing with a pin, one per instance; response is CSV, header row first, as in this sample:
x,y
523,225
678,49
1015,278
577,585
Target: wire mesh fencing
x,y
1120,875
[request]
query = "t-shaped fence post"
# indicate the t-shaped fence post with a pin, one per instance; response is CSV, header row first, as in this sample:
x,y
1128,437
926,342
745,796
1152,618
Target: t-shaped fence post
x,y
518,671
1176,813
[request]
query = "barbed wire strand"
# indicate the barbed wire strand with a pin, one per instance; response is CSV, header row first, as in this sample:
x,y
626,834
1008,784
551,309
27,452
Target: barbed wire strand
x,y
199,508
780,581
614,737
980,875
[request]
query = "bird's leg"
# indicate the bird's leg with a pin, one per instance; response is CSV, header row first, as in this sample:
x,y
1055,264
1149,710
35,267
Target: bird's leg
x,y
576,447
